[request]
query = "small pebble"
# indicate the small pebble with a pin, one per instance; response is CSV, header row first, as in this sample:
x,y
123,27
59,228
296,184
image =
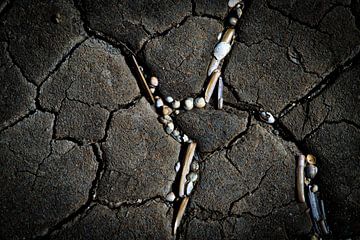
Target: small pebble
x,y
169,99
177,166
189,188
170,197
233,21
192,177
199,102
189,104
195,166
176,104
159,102
169,127
154,81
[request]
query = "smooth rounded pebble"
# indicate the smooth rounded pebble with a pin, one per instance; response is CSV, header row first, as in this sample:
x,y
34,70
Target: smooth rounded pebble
x,y
170,197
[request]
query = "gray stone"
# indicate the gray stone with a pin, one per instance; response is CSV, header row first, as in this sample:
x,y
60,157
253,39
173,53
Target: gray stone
x,y
140,156
180,58
212,129
43,180
36,42
96,73
16,94
80,121
134,22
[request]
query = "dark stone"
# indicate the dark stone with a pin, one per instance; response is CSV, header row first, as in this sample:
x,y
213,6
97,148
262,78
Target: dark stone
x,y
43,181
36,43
180,58
16,94
140,155
211,129
80,121
96,73
133,22
198,230
211,8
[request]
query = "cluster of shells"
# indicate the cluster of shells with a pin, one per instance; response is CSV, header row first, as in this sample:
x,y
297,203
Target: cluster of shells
x,y
308,193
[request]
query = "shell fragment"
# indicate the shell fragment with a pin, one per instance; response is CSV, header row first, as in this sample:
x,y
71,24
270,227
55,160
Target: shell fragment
x,y
143,81
214,64
220,101
300,178
221,50
228,35
180,213
211,85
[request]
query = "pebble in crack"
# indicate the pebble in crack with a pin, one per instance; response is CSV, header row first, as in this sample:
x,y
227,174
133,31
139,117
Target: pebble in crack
x,y
16,94
131,22
36,42
180,58
140,156
44,181
211,129
96,73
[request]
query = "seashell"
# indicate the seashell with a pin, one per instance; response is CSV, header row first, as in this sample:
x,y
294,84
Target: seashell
x,y
324,227
300,178
232,3
165,119
189,104
154,81
199,102
186,167
177,111
311,171
228,36
169,128
143,82
214,64
314,205
195,166
310,159
152,90
166,110
159,102
233,21
267,117
239,11
185,138
221,50
180,213
219,36
170,197
169,99
192,177
315,188
177,166
211,85
178,139
176,104
175,133
189,188
220,101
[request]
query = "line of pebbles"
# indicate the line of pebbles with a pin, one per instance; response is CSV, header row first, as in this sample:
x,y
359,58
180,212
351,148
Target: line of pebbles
x,y
188,169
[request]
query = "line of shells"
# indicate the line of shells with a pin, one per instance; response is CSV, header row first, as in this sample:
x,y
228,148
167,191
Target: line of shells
x,y
308,193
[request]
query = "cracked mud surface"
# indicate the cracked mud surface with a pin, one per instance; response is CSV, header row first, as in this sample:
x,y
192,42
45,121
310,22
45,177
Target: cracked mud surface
x,y
84,157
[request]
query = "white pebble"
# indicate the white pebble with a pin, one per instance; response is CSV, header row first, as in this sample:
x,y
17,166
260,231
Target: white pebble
x,y
169,127
232,3
189,188
185,138
221,50
192,177
199,102
176,104
169,99
189,104
177,166
154,81
176,111
170,197
233,21
159,102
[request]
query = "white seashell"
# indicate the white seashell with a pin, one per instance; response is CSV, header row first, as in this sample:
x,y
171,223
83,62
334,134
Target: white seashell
x,y
154,81
186,167
211,85
195,166
221,50
214,64
169,99
199,102
177,166
267,117
185,138
232,3
176,104
189,188
170,197
192,177
239,12
178,139
177,111
189,104
169,127
159,102
152,90
315,188
175,133
219,36
220,101
233,21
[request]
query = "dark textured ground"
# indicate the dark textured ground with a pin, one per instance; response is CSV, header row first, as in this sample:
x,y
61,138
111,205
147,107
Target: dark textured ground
x,y
82,155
